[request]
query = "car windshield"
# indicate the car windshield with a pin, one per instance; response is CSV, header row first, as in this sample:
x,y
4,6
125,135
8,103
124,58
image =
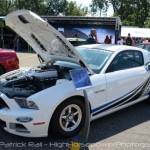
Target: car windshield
x,y
95,58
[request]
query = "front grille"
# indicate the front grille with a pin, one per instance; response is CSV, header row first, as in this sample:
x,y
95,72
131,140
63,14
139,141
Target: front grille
x,y
2,124
3,104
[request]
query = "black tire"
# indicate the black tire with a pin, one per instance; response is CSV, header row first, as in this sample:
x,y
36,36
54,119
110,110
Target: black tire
x,y
1,70
56,127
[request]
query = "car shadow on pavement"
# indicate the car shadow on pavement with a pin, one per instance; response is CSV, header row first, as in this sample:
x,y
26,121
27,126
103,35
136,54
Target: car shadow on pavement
x,y
101,129
118,122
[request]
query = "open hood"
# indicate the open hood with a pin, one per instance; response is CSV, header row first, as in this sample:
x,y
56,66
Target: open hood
x,y
43,38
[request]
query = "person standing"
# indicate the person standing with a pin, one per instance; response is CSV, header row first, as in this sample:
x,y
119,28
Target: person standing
x,y
120,41
16,43
107,40
92,39
129,40
110,40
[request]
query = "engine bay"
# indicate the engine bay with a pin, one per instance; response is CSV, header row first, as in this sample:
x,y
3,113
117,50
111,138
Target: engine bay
x,y
24,83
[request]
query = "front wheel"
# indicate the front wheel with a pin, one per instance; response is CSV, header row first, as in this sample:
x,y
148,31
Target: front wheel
x,y
69,118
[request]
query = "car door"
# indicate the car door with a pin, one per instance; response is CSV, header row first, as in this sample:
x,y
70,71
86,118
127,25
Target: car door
x,y
126,78
98,92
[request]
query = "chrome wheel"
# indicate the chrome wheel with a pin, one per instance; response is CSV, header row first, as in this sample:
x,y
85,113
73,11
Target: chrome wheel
x,y
70,117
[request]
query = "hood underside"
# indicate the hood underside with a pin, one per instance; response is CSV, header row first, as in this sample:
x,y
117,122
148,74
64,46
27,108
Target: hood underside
x,y
42,37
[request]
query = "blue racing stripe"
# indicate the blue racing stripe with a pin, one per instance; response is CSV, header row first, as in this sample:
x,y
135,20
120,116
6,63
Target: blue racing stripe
x,y
107,104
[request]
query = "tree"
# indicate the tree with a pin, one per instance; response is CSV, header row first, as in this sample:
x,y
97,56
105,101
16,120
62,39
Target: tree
x,y
6,6
36,6
55,7
147,22
74,10
131,12
43,7
99,5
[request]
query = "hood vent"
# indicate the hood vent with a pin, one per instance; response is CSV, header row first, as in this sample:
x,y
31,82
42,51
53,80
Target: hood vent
x,y
38,42
22,19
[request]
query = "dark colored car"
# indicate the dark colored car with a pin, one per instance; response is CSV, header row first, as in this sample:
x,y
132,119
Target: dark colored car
x,y
8,61
77,41
144,46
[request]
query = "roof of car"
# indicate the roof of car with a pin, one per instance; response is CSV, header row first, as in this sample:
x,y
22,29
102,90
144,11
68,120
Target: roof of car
x,y
110,47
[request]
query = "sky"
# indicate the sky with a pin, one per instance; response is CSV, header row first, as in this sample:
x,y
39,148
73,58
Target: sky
x,y
84,2
88,2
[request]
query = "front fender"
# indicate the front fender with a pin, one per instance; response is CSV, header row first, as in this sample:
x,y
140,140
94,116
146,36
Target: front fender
x,y
48,99
53,96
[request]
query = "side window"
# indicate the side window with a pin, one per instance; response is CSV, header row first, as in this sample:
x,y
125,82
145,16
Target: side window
x,y
126,60
147,47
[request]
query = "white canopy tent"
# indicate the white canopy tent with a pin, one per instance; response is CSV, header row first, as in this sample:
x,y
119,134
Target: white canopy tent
x,y
135,32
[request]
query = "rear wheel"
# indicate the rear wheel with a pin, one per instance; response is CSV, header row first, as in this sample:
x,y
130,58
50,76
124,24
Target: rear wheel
x,y
68,118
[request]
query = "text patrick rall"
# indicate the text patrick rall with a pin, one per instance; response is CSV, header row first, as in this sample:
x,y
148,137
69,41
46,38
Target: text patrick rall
x,y
21,144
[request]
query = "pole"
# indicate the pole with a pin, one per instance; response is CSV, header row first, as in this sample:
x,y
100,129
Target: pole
x,y
29,48
83,136
3,43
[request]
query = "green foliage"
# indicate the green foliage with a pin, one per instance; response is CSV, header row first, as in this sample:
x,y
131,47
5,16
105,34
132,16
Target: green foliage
x,y
43,7
1,24
54,7
147,22
131,12
99,5
6,6
33,5
74,10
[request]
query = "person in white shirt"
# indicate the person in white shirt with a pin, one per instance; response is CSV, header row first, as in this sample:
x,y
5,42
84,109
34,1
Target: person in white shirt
x,y
120,41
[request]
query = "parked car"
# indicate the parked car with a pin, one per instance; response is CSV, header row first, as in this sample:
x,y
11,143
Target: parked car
x,y
8,61
36,101
77,41
144,46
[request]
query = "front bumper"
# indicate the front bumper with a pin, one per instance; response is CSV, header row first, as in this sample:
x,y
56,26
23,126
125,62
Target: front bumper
x,y
8,116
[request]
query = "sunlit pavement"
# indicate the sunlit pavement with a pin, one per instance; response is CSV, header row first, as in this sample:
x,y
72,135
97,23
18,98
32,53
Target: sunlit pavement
x,y
28,59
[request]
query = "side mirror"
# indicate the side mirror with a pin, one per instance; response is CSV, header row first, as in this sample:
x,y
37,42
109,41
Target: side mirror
x,y
147,66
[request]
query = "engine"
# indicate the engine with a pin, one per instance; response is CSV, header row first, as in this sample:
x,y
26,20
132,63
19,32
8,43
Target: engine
x,y
27,82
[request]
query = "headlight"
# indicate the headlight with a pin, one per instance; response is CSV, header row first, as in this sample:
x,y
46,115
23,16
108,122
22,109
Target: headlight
x,y
23,103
